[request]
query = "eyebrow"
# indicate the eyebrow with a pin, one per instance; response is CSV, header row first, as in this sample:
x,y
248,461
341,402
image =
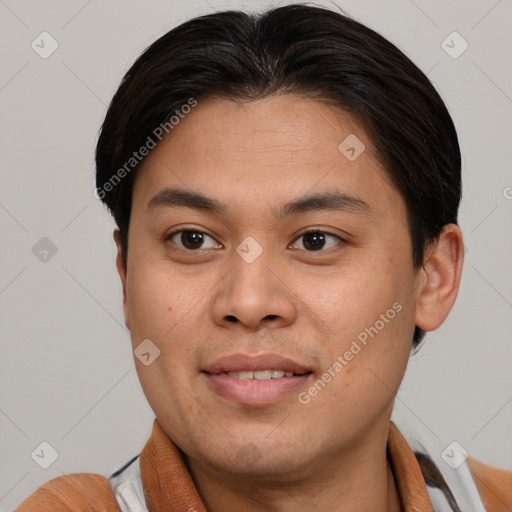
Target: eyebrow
x,y
335,200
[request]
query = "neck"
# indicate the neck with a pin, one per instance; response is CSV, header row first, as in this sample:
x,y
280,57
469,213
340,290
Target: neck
x,y
359,478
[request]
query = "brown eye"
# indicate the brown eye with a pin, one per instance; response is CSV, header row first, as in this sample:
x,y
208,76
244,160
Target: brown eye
x,y
191,240
318,240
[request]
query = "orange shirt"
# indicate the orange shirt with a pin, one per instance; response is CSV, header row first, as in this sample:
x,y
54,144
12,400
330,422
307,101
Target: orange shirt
x,y
158,481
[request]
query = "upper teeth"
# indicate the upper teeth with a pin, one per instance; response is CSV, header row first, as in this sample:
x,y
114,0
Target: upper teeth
x,y
261,374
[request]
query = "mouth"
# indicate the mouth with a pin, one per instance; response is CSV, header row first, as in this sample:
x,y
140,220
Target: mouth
x,y
262,374
256,380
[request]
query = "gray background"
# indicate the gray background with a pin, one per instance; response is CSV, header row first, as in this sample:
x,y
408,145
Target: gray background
x,y
67,375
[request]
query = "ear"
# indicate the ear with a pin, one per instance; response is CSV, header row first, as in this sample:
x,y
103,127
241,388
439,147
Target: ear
x,y
122,274
439,279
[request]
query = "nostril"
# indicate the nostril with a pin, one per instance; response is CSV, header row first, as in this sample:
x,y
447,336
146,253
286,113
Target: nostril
x,y
232,318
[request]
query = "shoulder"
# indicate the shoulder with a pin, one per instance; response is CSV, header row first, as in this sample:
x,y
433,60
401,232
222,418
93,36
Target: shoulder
x,y
493,484
74,492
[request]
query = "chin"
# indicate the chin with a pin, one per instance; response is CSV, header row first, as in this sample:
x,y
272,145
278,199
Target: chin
x,y
263,469
263,462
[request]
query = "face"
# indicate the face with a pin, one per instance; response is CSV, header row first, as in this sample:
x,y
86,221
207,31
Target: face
x,y
235,284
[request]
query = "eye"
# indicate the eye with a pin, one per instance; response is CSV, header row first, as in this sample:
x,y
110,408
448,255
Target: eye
x,y
316,240
191,239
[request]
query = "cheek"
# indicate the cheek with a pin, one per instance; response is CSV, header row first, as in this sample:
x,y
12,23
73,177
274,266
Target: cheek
x,y
160,298
170,308
346,300
363,371
166,309
365,319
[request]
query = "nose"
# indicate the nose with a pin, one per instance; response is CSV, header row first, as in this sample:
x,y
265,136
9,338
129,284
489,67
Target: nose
x,y
255,295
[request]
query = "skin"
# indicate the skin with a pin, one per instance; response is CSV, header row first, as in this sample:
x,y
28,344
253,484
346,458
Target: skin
x,y
308,305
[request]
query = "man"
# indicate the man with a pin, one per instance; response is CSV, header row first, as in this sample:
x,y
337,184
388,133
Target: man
x,y
286,189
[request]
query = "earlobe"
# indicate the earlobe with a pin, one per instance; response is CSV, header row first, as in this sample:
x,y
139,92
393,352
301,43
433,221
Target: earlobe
x,y
440,279
122,271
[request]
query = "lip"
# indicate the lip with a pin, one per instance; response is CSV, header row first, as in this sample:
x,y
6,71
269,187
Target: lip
x,y
253,363
255,392
252,392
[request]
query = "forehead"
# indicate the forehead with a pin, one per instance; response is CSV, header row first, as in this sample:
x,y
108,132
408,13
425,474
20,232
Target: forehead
x,y
277,147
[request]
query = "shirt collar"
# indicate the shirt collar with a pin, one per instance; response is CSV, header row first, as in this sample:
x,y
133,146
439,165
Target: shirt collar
x,y
168,485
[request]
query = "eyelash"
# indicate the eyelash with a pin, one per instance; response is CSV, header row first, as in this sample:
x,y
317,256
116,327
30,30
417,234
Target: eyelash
x,y
301,234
